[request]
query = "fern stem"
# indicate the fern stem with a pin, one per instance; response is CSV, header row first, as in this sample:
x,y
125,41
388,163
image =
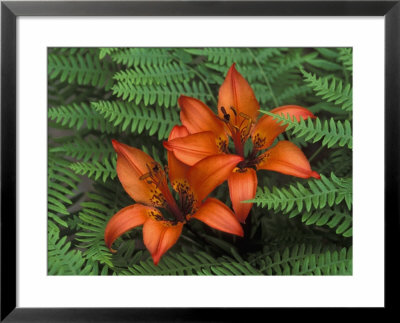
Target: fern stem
x,y
315,153
205,83
265,78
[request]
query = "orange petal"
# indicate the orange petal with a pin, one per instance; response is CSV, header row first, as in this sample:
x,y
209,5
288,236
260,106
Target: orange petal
x,y
132,164
177,132
198,117
210,172
267,128
125,220
176,169
287,158
217,215
242,187
236,92
159,236
193,148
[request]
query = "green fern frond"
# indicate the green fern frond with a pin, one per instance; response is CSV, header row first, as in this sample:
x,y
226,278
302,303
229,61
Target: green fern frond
x,y
86,149
331,133
104,201
67,51
103,52
61,183
329,53
166,96
264,55
80,116
317,193
325,65
159,74
198,263
223,55
62,260
331,90
94,217
85,69
287,63
136,119
290,93
96,170
141,56
335,218
338,161
306,260
346,58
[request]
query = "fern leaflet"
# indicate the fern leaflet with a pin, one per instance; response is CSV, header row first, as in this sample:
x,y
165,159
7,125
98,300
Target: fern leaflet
x,y
318,194
331,92
137,118
330,133
80,116
306,260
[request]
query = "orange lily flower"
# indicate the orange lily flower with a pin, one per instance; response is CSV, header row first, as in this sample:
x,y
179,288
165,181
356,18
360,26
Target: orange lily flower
x,y
161,215
238,110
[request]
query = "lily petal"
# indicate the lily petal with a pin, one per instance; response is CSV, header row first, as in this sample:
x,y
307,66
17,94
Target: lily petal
x,y
217,215
125,220
178,132
210,172
242,187
132,164
267,128
159,236
198,117
287,158
193,148
237,93
176,169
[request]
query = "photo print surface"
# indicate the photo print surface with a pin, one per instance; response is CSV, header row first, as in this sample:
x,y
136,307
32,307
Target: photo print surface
x,y
200,161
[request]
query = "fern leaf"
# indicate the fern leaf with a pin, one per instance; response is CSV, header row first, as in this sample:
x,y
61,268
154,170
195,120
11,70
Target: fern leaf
x,y
331,91
325,65
166,96
62,260
223,55
306,260
286,64
97,170
346,58
61,184
330,132
136,119
338,161
336,218
159,74
198,263
316,194
80,116
85,69
86,149
91,237
103,52
141,56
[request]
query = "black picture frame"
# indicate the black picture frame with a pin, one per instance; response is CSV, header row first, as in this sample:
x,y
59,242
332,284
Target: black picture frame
x,y
10,10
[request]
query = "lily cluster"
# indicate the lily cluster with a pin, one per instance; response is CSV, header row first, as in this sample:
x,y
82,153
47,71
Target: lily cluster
x,y
200,158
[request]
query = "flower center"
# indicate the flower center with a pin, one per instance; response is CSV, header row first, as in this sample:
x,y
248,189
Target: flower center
x,y
162,196
187,198
239,127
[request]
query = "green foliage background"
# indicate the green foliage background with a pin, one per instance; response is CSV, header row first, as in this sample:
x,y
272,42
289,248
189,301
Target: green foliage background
x,y
296,227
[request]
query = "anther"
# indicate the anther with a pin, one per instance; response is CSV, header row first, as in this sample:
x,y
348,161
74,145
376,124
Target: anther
x,y
234,111
227,116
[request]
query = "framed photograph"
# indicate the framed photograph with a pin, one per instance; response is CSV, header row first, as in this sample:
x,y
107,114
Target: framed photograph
x,y
187,160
